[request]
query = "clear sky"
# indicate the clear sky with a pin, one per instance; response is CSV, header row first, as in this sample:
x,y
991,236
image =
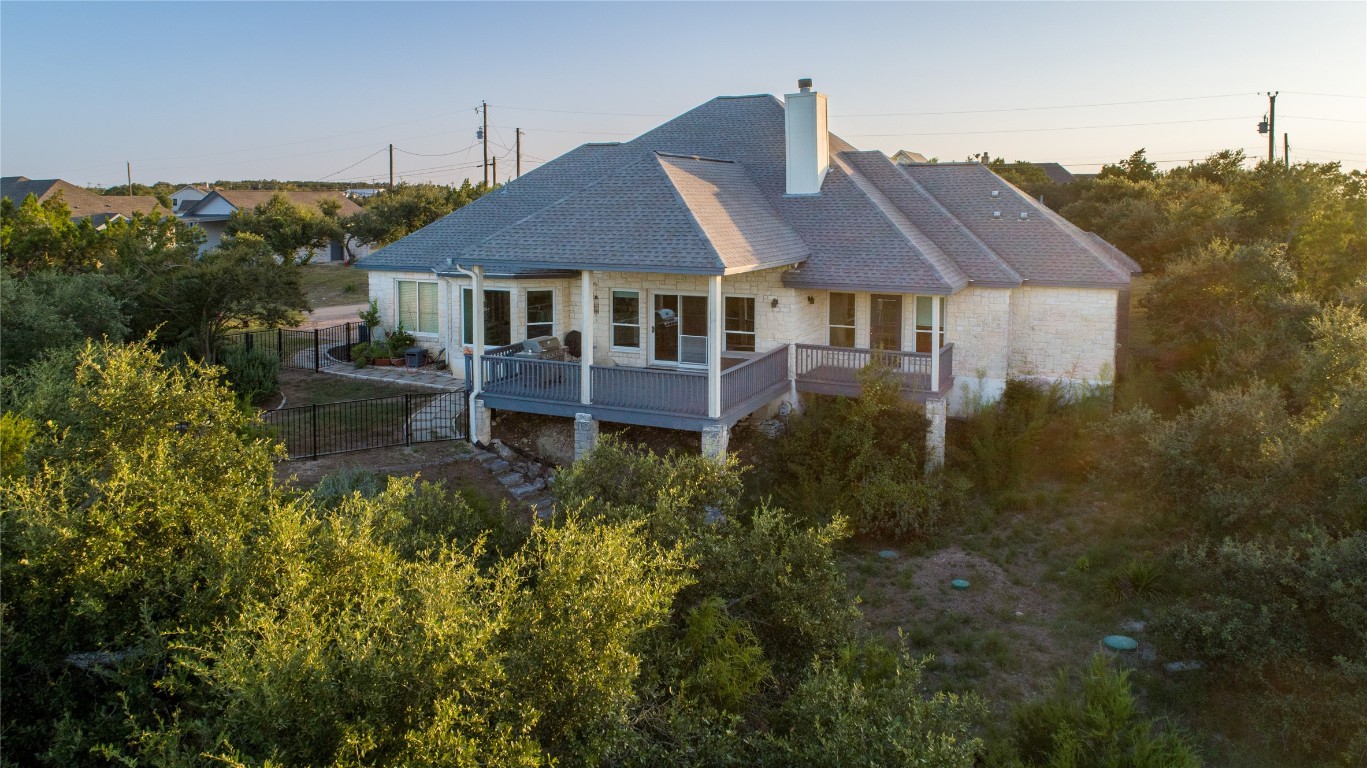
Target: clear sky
x,y
205,91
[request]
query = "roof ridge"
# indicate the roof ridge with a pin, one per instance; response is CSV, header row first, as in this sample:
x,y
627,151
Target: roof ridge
x,y
914,236
688,209
692,157
991,254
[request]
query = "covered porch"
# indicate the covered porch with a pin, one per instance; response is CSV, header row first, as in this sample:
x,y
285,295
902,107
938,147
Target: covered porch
x,y
828,370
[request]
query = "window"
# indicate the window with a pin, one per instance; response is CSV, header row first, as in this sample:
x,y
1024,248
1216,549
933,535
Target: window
x,y
540,313
498,317
418,305
841,319
740,324
925,339
885,322
626,319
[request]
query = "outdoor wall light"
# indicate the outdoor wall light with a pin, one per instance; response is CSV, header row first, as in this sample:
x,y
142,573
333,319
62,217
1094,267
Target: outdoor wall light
x,y
595,303
811,299
773,304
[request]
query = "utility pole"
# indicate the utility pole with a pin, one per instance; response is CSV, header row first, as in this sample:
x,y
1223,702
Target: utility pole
x,y
130,179
495,161
519,153
1286,150
1272,125
484,107
391,167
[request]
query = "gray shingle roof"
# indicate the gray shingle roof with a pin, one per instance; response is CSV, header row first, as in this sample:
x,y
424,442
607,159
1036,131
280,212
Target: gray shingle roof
x,y
82,202
704,193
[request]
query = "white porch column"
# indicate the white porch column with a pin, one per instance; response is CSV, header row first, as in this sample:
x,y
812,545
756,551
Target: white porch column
x,y
714,343
586,336
936,342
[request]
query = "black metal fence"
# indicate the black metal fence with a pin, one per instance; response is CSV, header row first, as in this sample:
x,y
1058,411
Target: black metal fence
x,y
311,431
309,349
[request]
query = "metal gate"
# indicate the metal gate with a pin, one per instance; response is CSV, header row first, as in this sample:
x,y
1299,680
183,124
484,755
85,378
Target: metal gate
x,y
308,349
311,431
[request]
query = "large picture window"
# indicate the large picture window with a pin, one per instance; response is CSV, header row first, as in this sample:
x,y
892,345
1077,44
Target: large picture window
x,y
925,338
540,313
626,319
498,317
740,324
841,319
417,303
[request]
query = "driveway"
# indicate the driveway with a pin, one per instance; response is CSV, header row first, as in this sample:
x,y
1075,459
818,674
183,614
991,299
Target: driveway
x,y
326,317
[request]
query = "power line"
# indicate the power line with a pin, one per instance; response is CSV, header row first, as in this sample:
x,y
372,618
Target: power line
x,y
1032,109
1329,95
576,112
554,130
439,154
1062,128
353,165
1325,119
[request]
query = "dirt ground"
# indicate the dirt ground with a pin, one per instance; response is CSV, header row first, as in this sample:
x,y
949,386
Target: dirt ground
x,y
446,461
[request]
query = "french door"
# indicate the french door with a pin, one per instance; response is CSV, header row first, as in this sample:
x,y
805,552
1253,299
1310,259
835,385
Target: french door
x,y
679,322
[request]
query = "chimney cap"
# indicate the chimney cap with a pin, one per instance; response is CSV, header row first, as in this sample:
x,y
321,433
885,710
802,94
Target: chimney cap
x,y
805,84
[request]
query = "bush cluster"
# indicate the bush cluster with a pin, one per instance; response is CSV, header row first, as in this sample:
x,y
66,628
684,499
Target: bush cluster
x,y
254,374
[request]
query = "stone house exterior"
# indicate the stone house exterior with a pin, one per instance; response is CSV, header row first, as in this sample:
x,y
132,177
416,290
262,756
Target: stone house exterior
x,y
739,255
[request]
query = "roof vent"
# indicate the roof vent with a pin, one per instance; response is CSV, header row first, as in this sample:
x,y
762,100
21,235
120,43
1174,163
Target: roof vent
x,y
1024,215
805,84
996,193
996,214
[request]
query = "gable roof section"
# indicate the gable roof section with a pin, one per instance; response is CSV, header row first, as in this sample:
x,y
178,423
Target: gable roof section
x,y
246,199
82,202
1041,248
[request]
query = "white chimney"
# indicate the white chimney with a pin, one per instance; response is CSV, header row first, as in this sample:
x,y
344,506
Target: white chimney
x,y
808,142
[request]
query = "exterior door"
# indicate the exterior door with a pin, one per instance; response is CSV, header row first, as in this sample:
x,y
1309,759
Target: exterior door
x,y
679,323
885,322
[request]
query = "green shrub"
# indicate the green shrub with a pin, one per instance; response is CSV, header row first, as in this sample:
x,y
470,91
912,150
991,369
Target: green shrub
x,y
862,459
254,374
44,311
1100,728
16,432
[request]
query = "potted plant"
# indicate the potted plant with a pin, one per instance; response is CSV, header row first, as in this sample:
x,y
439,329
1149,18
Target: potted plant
x,y
370,317
399,342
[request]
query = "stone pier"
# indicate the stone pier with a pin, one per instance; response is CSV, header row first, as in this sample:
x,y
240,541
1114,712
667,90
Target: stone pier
x,y
715,439
585,435
937,412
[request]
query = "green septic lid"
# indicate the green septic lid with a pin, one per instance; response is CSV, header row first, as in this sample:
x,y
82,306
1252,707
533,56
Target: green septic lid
x,y
959,583
888,554
1120,642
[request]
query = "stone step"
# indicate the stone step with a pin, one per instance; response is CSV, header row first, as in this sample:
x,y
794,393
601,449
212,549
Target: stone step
x,y
498,466
528,488
510,479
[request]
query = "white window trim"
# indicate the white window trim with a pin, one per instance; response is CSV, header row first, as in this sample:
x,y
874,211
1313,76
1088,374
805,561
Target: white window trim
x,y
641,329
754,306
417,296
650,310
526,310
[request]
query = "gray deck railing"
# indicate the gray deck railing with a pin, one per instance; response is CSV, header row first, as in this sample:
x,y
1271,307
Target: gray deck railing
x,y
946,367
841,365
532,378
741,382
650,389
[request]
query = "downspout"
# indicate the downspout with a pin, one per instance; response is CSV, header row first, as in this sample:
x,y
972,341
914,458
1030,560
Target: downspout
x,y
477,335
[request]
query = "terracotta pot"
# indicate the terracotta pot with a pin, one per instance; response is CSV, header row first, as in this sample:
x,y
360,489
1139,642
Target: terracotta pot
x,y
381,361
397,362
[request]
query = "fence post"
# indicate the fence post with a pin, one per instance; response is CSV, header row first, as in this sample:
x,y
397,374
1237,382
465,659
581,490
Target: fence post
x,y
317,360
249,341
313,413
407,425
280,345
349,342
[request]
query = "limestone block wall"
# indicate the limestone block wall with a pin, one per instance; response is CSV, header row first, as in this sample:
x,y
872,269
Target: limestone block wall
x,y
386,295
1063,333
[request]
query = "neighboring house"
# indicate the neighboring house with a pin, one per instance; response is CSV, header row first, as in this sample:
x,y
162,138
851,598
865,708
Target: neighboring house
x,y
84,204
740,254
362,193
185,198
211,213
1056,173
903,157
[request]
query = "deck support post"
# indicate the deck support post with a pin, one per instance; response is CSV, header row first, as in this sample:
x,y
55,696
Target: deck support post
x,y
586,337
715,315
715,440
937,413
936,342
481,423
585,435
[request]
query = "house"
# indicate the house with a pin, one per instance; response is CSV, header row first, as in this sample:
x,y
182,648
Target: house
x,y
84,204
904,157
212,212
183,199
740,254
1056,173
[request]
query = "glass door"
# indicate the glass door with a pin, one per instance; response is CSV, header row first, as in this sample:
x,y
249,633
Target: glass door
x,y
885,322
680,329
